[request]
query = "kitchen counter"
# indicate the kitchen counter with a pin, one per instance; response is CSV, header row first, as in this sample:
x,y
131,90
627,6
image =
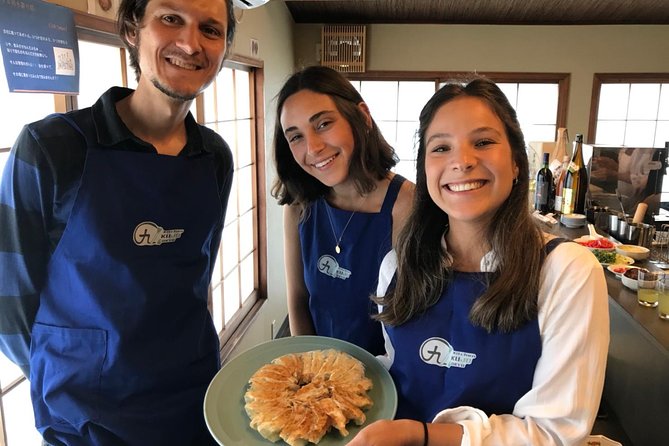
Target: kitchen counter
x,y
637,372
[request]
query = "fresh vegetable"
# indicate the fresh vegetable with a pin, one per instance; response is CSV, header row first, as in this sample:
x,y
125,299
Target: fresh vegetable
x,y
620,269
605,256
600,243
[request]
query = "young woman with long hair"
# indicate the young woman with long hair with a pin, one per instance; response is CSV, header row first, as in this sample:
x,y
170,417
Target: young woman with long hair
x,y
344,206
497,333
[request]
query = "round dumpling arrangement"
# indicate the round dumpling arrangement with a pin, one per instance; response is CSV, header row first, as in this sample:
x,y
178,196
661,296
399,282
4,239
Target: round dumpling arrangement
x,y
299,396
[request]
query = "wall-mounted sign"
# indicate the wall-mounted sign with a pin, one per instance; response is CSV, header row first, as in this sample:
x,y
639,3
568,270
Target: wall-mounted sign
x,y
39,47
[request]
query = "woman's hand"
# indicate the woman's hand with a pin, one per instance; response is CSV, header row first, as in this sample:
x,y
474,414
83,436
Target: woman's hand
x,y
390,433
408,433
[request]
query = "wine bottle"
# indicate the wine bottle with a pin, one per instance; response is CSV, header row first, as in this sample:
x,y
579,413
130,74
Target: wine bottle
x,y
543,187
560,151
559,184
575,181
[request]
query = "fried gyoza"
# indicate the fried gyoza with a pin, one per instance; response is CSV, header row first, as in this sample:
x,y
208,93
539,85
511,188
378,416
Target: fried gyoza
x,y
298,397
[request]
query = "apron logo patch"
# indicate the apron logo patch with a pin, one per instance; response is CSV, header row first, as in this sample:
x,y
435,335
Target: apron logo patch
x,y
438,351
328,265
148,233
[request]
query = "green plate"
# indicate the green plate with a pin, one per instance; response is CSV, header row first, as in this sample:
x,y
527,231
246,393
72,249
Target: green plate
x,y
224,401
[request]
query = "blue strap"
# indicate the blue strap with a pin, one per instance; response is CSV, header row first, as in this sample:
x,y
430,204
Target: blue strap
x,y
393,191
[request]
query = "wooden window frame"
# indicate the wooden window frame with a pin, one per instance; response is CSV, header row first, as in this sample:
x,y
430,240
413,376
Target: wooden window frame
x,y
237,326
562,80
616,78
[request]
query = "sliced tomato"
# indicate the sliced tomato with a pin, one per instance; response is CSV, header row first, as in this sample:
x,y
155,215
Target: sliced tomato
x,y
600,243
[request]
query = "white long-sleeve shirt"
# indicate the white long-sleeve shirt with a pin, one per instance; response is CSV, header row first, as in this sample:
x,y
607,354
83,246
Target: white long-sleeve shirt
x,y
573,318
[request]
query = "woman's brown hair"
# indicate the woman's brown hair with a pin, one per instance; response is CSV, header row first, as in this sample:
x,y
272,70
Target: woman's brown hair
x,y
424,264
372,157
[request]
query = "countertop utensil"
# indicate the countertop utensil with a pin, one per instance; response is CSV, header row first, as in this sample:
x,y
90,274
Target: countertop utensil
x,y
593,232
620,200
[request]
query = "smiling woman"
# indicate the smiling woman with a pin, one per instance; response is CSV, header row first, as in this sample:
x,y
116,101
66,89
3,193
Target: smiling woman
x,y
475,310
344,205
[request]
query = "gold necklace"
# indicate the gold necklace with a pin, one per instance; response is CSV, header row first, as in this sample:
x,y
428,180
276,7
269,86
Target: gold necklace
x,y
334,234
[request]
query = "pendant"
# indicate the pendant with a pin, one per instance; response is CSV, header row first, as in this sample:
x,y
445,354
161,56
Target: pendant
x,y
337,249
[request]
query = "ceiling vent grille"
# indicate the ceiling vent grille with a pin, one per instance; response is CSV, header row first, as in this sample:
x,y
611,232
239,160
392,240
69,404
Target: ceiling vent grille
x,y
343,47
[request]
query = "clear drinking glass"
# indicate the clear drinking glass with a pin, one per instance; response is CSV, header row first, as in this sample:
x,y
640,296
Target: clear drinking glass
x,y
646,290
663,297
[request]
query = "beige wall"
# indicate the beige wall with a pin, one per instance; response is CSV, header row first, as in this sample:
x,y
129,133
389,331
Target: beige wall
x,y
272,26
579,50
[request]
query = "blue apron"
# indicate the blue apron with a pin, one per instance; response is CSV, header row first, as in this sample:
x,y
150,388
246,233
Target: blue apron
x,y
123,346
340,285
443,361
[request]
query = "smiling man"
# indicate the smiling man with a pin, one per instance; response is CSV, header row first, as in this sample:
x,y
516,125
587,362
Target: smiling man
x,y
113,216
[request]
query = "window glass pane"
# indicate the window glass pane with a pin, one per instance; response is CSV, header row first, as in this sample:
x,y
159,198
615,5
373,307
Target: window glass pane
x,y
100,69
389,131
216,274
537,132
644,99
511,92
4,156
639,133
613,101
662,135
132,81
610,133
19,417
407,140
18,109
243,98
245,188
381,97
225,88
663,109
243,143
412,96
230,247
246,231
209,98
9,372
247,280
537,104
232,212
231,299
227,130
407,168
217,306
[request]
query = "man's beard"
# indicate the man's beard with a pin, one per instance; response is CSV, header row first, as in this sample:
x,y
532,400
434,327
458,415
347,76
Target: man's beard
x,y
171,93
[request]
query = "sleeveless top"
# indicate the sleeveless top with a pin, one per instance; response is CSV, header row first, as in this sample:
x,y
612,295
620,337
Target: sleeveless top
x,y
340,284
443,361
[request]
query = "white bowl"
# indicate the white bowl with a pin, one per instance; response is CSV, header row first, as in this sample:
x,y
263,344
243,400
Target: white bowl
x,y
619,269
629,282
634,251
573,220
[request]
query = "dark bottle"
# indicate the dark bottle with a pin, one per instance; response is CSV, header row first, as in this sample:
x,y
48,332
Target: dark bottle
x,y
575,181
544,188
